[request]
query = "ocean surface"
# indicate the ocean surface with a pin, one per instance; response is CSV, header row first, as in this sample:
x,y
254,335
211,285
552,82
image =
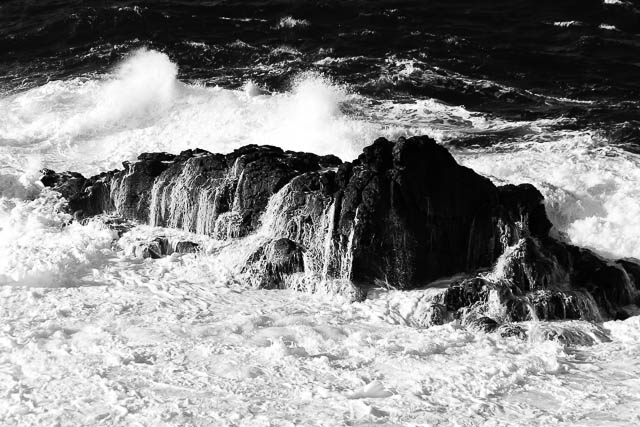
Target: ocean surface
x,y
545,92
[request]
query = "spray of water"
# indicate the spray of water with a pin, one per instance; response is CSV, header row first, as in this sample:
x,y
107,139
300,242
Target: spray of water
x,y
92,124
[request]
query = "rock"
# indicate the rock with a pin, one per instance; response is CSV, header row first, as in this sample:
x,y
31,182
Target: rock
x,y
426,313
529,267
632,267
512,330
131,189
542,279
185,247
416,215
156,157
192,190
66,183
522,213
621,314
273,262
156,248
559,305
606,281
484,324
86,197
570,336
223,195
329,161
436,314
112,222
402,214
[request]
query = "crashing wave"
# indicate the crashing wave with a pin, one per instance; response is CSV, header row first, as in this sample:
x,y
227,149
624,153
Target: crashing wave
x,y
404,214
91,124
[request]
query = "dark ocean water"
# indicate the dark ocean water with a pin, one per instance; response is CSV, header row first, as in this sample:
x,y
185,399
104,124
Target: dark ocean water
x,y
512,58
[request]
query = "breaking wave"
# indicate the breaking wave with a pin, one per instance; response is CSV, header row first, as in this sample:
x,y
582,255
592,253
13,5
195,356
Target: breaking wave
x,y
93,124
92,333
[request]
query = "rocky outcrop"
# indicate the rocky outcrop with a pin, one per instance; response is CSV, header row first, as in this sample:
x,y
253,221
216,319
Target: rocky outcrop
x,y
401,215
161,246
272,263
222,195
541,278
404,214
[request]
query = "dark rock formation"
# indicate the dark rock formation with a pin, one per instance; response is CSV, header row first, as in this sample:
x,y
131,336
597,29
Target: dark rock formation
x,y
541,278
484,324
512,330
156,248
185,247
222,195
273,262
161,246
402,214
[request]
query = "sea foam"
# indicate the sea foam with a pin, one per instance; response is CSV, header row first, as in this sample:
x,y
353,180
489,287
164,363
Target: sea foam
x,y
93,124
590,188
291,22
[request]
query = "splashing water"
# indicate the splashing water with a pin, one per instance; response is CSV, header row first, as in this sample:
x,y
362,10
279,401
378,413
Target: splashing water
x,y
184,333
92,124
589,186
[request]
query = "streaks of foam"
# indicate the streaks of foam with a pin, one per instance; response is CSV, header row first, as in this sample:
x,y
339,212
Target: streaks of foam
x,y
168,329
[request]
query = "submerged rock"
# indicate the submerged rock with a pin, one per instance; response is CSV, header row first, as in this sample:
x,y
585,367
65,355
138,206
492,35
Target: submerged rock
x,y
159,246
156,248
185,247
512,330
484,324
543,279
271,263
401,215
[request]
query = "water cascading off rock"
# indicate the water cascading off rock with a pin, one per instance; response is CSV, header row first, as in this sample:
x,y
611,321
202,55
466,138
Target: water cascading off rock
x,y
402,214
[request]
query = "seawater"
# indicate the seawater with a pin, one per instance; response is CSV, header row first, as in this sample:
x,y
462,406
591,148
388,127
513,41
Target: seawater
x,y
93,335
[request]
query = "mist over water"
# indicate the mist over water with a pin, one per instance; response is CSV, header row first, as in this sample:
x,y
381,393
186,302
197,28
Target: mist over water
x,y
95,335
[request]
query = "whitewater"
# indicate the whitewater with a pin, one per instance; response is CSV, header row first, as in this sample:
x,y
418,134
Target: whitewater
x,y
92,335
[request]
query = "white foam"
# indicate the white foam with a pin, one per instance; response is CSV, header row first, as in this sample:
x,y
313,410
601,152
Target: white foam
x,y
182,329
589,186
608,27
291,22
93,124
170,329
40,246
143,88
566,24
226,18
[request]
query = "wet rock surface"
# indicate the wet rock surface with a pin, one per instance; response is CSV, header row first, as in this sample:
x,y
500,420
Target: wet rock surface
x,y
272,262
161,246
401,215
